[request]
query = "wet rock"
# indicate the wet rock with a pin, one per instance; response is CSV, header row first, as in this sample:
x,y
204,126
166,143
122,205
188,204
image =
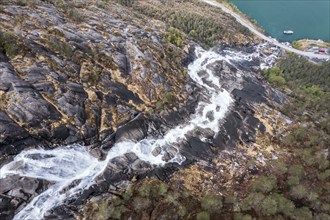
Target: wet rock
x,y
156,151
9,130
195,149
135,130
15,191
60,132
6,208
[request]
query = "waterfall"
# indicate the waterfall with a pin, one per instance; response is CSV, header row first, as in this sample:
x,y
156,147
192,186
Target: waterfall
x,y
64,165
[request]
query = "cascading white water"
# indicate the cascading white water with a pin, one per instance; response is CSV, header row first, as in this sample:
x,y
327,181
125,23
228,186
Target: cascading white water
x,y
64,165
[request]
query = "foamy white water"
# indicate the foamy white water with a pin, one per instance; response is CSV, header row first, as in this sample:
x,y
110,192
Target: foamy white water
x,y
64,165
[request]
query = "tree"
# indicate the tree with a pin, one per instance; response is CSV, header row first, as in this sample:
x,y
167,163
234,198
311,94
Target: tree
x,y
264,184
212,203
269,206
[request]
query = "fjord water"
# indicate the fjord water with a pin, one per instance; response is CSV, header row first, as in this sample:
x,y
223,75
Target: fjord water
x,y
309,19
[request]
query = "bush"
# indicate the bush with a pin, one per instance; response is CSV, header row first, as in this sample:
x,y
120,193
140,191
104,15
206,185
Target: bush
x,y
203,216
324,176
302,213
296,136
141,203
128,3
298,192
293,180
269,206
253,200
60,47
10,44
116,212
275,77
284,205
279,167
212,203
322,216
264,184
297,171
174,36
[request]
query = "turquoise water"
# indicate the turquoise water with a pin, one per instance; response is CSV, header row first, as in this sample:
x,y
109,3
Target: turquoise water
x,y
309,19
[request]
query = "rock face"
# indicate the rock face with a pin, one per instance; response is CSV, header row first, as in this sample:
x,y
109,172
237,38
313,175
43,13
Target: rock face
x,y
66,80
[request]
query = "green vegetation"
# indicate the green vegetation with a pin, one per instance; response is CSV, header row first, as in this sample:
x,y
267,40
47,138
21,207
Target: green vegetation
x,y
275,77
295,186
308,85
10,44
168,99
175,37
302,178
296,44
127,3
20,2
212,203
60,47
70,8
203,216
195,19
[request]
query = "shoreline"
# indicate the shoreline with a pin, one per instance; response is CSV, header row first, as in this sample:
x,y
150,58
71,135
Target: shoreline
x,y
304,44
231,6
242,18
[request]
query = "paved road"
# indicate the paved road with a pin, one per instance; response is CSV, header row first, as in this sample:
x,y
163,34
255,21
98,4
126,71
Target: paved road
x,y
250,26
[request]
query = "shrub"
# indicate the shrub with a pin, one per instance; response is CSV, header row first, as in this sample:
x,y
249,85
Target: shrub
x,y
284,205
277,81
297,171
159,189
279,167
74,15
293,180
269,206
312,197
144,190
324,175
230,199
182,211
251,201
140,203
212,203
116,212
275,77
10,44
322,216
127,3
203,216
60,47
264,184
298,192
174,36
302,213
297,136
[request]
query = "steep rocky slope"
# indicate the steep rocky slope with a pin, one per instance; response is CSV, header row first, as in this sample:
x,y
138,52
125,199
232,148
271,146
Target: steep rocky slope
x,y
64,80
101,72
72,71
